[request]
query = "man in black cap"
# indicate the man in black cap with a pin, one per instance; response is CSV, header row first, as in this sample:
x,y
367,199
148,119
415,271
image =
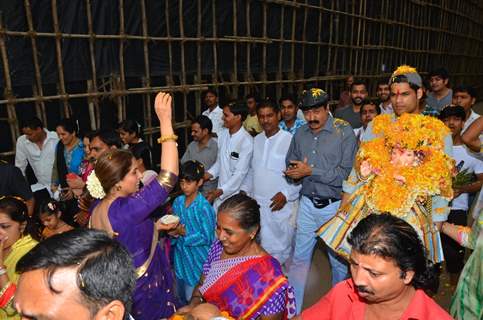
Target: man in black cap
x,y
320,157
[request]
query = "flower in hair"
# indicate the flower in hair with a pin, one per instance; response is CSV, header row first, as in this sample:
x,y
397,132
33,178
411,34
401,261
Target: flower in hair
x,y
94,186
51,206
404,69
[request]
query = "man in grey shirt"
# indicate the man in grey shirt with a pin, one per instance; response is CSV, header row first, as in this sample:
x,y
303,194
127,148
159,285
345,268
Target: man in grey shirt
x,y
203,148
440,95
351,113
320,157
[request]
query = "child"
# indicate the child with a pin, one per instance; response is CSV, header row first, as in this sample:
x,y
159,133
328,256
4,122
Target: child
x,y
50,216
196,231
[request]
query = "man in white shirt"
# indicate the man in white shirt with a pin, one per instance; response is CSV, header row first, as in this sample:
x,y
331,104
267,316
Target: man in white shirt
x,y
214,112
465,96
454,118
266,182
383,93
235,148
37,147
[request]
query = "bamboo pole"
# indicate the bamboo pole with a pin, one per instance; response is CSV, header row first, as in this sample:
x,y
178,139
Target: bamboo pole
x,y
92,84
147,73
8,90
215,43
120,81
37,88
60,64
279,75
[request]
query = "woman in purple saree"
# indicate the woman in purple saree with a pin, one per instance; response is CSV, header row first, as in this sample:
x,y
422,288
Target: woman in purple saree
x,y
124,213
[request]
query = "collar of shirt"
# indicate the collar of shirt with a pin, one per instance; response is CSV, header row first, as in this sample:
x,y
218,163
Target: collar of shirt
x,y
215,110
192,204
418,308
240,132
50,135
328,126
272,137
209,145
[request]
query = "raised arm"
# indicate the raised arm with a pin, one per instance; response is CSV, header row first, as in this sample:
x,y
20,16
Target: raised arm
x,y
471,137
169,149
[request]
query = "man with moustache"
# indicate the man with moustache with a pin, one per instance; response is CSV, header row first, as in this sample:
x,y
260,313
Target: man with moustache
x,y
203,148
351,113
389,276
101,141
383,93
267,185
319,158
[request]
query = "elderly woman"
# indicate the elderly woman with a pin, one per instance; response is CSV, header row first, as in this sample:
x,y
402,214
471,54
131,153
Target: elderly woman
x,y
239,276
124,213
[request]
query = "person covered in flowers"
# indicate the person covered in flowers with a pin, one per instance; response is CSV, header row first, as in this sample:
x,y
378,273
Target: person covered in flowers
x,y
124,213
403,167
18,236
239,277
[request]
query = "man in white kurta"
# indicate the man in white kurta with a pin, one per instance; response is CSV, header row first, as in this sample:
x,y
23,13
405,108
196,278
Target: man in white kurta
x,y
266,183
235,148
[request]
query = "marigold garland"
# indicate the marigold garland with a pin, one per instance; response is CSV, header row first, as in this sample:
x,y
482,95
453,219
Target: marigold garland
x,y
425,135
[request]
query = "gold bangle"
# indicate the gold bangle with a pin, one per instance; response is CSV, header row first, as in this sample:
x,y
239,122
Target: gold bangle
x,y
170,137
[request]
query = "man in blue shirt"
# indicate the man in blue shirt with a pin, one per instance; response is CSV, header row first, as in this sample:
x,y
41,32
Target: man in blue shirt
x,y
288,110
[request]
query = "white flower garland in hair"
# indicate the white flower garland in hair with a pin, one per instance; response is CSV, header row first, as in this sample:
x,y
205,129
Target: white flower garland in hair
x,y
94,186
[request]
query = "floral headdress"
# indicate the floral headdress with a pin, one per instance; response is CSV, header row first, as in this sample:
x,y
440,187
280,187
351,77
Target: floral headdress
x,y
432,176
94,186
409,73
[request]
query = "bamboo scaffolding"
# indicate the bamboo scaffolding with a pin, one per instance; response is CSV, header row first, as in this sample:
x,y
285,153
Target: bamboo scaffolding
x,y
351,37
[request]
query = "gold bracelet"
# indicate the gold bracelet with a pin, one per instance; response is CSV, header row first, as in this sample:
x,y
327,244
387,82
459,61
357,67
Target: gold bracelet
x,y
170,137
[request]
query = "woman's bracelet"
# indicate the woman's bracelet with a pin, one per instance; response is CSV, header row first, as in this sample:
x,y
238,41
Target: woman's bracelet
x,y
167,179
169,137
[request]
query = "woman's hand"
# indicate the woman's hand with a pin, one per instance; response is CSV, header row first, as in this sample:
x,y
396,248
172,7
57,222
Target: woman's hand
x,y
75,182
185,310
166,227
162,105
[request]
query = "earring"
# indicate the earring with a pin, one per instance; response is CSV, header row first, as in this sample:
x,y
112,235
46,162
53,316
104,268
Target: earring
x,y
118,188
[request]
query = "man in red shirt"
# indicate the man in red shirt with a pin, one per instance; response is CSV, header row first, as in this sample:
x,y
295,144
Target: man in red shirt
x,y
390,275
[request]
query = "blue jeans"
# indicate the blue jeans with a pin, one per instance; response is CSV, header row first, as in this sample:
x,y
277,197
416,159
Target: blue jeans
x,y
309,219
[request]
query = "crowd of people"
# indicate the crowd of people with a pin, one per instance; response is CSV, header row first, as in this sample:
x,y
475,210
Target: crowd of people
x,y
227,230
